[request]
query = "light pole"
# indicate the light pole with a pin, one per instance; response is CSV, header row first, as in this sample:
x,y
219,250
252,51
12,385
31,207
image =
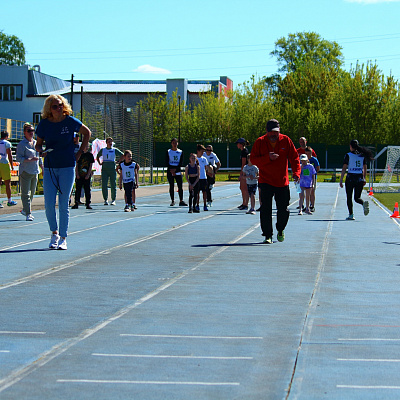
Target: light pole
x,y
179,118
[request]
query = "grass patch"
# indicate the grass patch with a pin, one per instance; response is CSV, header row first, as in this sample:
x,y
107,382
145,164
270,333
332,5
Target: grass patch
x,y
388,199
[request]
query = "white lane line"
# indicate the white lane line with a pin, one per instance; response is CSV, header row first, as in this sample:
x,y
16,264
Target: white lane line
x,y
196,337
171,356
21,333
4,351
98,381
62,347
380,360
367,387
369,340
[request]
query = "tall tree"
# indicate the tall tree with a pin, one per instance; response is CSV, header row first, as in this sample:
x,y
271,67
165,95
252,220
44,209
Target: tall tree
x,y
302,47
12,50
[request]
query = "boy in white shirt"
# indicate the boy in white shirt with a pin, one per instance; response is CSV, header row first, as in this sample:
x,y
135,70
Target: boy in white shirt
x,y
203,184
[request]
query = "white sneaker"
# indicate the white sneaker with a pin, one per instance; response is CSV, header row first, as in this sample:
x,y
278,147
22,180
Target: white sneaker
x,y
54,241
1,205
105,202
23,213
62,244
112,203
30,217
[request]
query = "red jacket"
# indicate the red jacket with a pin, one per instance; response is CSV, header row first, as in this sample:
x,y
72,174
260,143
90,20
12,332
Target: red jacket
x,y
275,172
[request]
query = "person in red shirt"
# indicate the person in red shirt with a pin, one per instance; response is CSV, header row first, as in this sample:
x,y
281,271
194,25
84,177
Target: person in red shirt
x,y
271,153
302,149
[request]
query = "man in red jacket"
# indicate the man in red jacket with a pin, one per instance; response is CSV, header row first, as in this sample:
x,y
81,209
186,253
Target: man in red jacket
x,y
271,153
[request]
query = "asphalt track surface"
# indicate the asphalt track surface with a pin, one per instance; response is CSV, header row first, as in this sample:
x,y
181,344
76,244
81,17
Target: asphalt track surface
x,y
162,304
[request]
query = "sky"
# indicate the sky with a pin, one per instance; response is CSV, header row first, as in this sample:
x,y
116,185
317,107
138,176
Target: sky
x,y
196,40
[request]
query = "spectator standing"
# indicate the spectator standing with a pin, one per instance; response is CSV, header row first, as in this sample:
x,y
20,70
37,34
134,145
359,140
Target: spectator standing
x,y
302,149
241,145
29,163
271,153
56,130
109,155
6,165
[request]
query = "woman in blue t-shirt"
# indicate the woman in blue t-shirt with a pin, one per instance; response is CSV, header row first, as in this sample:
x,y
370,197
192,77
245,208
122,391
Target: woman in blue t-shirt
x,y
56,130
355,162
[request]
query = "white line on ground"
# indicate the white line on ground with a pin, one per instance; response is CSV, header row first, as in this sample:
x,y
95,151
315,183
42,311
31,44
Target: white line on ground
x,y
367,387
97,381
369,340
196,337
62,347
21,333
4,351
171,356
381,360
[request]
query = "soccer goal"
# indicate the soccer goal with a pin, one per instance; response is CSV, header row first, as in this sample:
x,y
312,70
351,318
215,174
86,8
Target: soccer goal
x,y
390,181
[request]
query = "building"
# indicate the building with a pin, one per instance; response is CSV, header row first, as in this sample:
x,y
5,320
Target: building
x,y
23,90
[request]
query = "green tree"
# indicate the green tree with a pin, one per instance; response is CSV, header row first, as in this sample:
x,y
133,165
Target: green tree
x,y
302,47
12,50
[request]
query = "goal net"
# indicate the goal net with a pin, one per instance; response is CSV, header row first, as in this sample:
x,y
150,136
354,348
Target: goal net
x,y
389,182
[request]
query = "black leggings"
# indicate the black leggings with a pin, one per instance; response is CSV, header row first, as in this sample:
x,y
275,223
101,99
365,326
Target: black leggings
x,y
178,179
193,193
356,185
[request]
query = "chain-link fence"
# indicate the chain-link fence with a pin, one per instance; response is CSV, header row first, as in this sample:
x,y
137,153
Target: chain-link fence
x,y
110,115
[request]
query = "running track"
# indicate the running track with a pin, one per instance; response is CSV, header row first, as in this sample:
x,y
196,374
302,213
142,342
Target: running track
x,y
162,304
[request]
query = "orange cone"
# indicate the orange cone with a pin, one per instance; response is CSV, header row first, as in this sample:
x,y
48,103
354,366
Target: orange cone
x,y
395,211
371,193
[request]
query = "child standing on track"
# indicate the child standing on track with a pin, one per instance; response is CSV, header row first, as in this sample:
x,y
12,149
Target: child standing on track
x,y
251,173
192,173
129,177
315,163
203,184
307,177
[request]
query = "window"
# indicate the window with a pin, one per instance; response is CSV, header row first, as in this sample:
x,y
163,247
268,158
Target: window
x,y
36,118
10,92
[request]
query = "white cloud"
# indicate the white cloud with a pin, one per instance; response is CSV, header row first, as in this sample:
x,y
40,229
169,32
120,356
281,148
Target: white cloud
x,y
149,69
372,1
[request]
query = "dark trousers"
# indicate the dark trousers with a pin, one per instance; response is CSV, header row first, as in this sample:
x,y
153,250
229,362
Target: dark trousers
x,y
355,185
128,187
210,181
282,198
85,183
193,193
178,179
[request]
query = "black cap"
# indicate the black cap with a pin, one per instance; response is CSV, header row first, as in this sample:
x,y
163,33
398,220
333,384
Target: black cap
x,y
273,125
241,140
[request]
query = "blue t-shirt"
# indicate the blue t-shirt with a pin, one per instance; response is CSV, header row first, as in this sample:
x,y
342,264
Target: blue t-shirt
x,y
315,163
59,136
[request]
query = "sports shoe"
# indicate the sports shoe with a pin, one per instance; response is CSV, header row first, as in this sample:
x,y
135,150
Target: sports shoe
x,y
75,206
209,204
350,217
132,207
127,208
251,211
89,207
62,244
281,236
300,212
211,187
30,217
205,208
172,203
182,204
240,206
268,240
112,203
1,205
22,212
196,209
11,203
190,210
54,241
105,202
243,207
366,207
308,212
312,208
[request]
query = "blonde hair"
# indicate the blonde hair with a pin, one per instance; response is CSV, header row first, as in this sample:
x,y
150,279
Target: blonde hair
x,y
27,125
46,112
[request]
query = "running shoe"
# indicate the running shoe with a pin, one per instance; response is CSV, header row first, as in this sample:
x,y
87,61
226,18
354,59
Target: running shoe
x,y
312,208
240,206
89,207
196,209
281,236
11,203
105,202
205,208
190,210
300,212
211,187
209,204
308,212
132,207
182,204
127,208
1,205
112,203
251,211
268,240
30,217
75,206
54,241
62,244
366,207
350,217
243,207
172,203
22,212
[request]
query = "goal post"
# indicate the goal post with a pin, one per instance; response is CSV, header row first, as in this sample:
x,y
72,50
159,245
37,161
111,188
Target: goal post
x,y
390,181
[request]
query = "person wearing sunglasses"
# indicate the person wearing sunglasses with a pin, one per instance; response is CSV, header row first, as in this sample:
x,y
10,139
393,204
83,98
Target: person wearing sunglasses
x,y
56,130
29,163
